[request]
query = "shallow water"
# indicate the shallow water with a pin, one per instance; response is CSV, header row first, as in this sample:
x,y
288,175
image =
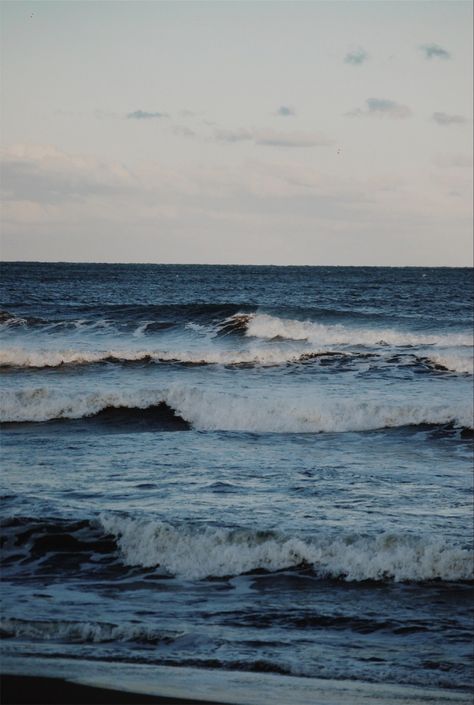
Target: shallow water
x,y
260,469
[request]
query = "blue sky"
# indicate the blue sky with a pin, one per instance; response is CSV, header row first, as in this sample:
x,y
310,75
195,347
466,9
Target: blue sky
x,y
246,132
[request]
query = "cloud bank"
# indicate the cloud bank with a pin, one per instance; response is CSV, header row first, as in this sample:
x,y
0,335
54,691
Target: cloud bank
x,y
62,206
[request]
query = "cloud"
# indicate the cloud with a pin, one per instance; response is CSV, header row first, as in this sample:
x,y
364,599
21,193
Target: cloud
x,y
63,207
356,57
272,138
445,119
183,131
382,107
143,115
434,51
285,111
44,174
232,136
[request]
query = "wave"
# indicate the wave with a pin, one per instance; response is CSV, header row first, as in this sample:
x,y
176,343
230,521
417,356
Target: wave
x,y
452,362
21,357
196,553
265,357
213,411
83,632
16,357
10,320
261,325
141,318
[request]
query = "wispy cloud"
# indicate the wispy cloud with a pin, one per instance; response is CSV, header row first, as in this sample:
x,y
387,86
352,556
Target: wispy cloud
x,y
46,175
381,107
285,111
434,51
356,57
107,115
231,136
53,198
272,138
143,115
445,119
183,131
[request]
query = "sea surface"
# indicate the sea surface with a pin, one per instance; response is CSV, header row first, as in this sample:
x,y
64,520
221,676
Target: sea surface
x,y
246,469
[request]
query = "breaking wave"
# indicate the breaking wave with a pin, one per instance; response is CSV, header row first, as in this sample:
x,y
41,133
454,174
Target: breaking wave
x,y
214,552
207,410
83,632
196,552
20,357
454,362
262,325
15,357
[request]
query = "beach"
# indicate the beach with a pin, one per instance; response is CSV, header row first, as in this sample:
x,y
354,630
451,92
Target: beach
x,y
31,689
65,682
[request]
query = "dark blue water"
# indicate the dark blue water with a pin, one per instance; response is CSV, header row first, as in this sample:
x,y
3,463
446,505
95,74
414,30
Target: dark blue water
x,y
258,469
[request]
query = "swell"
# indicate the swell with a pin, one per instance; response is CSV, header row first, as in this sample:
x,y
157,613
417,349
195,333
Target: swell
x,y
121,315
196,552
207,410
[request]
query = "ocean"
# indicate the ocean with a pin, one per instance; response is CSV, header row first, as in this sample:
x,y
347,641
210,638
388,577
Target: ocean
x,y
228,471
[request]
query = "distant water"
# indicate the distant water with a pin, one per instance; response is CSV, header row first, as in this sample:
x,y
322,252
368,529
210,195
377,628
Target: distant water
x,y
260,469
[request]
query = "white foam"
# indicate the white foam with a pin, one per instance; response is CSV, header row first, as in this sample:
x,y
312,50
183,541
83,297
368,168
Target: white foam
x,y
83,632
308,413
23,357
196,553
209,410
262,325
454,362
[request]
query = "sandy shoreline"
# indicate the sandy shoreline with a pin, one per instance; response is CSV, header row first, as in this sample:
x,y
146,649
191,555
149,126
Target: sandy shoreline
x,y
42,681
37,690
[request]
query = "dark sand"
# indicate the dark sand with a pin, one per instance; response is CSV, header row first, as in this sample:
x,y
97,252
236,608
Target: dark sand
x,y
55,691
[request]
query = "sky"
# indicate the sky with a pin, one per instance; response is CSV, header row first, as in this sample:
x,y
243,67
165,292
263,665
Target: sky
x,y
251,132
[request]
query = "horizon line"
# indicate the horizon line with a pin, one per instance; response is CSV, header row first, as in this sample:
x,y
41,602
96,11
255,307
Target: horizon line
x,y
241,264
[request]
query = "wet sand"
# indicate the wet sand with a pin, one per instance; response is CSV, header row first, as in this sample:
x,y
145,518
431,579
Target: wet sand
x,y
33,690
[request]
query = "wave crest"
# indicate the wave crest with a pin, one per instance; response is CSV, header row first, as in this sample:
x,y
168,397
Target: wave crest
x,y
214,552
21,357
263,325
215,411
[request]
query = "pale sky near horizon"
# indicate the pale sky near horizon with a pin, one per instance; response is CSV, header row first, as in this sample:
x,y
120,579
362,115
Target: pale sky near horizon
x,y
332,133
